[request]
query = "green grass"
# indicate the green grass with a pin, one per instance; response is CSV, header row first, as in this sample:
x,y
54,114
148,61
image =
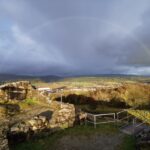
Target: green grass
x,y
30,101
50,141
141,114
128,143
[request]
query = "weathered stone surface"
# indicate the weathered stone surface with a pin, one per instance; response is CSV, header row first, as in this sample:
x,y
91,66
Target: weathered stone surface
x,y
61,118
3,138
2,111
17,91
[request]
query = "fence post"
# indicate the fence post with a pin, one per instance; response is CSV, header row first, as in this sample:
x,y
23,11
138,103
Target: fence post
x,y
133,125
114,117
94,121
85,123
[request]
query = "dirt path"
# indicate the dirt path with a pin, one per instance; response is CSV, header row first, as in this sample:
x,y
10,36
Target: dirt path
x,y
93,142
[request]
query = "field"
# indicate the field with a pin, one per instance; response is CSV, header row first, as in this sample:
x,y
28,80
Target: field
x,y
112,94
91,81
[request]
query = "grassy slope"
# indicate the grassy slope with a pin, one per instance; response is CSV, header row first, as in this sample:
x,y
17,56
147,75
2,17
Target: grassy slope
x,y
133,91
94,81
141,114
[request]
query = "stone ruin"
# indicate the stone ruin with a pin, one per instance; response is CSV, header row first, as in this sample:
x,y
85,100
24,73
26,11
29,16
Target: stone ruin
x,y
16,91
45,122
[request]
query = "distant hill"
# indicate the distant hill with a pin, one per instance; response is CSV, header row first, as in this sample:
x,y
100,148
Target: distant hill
x,y
111,75
50,78
13,77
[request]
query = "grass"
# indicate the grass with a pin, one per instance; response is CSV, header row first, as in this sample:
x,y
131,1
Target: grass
x,y
50,142
91,81
28,103
128,143
141,114
145,147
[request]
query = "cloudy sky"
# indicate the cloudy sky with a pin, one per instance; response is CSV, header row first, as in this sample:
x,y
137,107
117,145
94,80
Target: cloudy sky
x,y
72,37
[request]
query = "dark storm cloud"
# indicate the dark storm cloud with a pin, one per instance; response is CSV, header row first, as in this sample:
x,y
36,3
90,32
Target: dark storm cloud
x,y
74,37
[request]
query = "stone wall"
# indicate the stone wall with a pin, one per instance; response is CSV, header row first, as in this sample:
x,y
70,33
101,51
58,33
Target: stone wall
x,y
44,123
17,91
3,137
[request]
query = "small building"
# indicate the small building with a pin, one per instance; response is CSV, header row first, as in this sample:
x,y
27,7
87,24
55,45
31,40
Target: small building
x,y
44,89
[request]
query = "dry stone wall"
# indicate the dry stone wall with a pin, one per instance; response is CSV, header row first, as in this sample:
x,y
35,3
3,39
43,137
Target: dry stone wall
x,y
45,121
3,138
17,91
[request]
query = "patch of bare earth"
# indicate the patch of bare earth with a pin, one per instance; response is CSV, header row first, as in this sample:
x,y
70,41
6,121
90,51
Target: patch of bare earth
x,y
92,142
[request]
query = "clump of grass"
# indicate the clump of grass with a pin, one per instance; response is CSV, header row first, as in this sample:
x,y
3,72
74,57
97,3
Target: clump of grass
x,y
30,101
27,103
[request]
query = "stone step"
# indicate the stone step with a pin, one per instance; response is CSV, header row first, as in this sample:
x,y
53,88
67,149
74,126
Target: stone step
x,y
132,129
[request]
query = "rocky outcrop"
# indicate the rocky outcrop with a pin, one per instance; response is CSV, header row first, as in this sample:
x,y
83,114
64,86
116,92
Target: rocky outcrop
x,y
17,91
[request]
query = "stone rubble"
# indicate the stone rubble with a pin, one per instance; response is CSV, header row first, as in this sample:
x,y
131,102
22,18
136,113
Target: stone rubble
x,y
3,136
47,120
59,119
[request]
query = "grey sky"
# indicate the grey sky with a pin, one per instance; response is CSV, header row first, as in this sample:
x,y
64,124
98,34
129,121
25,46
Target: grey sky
x,y
69,37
